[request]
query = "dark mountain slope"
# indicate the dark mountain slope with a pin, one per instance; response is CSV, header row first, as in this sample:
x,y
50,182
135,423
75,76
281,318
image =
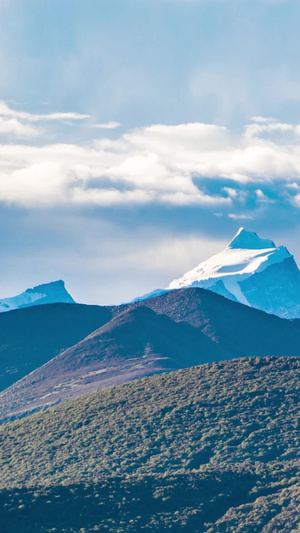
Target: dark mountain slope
x,y
239,329
136,343
235,422
116,504
30,337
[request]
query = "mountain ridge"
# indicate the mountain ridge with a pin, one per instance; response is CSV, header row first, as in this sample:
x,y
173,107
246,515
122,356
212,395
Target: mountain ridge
x,y
137,342
175,330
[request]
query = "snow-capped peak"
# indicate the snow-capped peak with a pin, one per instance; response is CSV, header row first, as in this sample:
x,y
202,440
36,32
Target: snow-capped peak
x,y
244,255
249,240
252,271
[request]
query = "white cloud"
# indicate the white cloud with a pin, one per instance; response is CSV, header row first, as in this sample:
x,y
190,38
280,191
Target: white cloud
x,y
174,254
263,120
231,192
256,130
263,198
296,200
12,126
107,125
6,111
158,164
293,185
234,216
20,123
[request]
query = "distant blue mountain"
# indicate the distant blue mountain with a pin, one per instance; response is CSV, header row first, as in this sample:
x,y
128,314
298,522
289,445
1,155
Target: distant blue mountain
x,y
48,293
151,294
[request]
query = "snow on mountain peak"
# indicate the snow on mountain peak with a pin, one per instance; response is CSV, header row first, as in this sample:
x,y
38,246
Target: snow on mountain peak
x,y
249,240
252,271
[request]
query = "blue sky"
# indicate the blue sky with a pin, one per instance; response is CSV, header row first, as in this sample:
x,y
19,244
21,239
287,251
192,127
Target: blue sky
x,y
147,61
136,136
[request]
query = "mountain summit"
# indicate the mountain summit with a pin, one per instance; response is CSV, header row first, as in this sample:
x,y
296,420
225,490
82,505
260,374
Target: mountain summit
x,y
252,271
47,293
249,240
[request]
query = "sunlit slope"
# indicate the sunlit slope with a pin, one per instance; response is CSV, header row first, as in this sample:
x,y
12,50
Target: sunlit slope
x,y
227,413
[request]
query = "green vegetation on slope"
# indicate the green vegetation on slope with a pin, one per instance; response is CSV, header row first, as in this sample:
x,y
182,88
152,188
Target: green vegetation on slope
x,y
230,412
235,423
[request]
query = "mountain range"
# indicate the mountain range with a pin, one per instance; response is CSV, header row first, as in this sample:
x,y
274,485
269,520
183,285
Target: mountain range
x,y
175,330
54,352
250,270
108,423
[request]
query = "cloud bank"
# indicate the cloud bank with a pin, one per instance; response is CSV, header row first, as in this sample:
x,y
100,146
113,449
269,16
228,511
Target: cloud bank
x,y
182,165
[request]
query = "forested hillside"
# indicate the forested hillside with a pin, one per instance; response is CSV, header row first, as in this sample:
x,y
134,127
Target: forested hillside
x,y
211,449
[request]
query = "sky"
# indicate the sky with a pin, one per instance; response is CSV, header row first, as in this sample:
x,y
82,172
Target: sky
x,y
137,136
